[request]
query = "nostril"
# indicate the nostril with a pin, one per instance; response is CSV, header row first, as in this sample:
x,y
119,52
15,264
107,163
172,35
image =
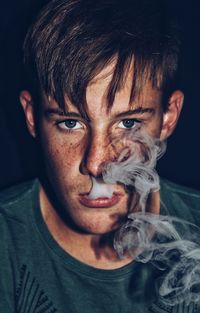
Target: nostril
x,y
83,169
94,169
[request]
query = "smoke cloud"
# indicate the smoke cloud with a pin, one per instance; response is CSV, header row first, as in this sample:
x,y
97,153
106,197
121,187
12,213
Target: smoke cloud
x,y
100,189
171,244
136,163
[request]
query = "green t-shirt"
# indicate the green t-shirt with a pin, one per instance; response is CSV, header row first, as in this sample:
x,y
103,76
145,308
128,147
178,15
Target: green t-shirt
x,y
38,276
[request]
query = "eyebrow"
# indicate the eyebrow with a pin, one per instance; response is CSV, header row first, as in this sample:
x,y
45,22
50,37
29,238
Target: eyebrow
x,y
139,110
61,113
57,111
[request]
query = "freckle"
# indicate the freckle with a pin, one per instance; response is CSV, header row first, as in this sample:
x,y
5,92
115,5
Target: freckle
x,y
77,145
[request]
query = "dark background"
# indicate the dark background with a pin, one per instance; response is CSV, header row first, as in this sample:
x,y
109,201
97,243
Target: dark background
x,y
17,150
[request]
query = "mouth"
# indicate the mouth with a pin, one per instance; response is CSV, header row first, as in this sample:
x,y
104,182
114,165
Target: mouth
x,y
100,202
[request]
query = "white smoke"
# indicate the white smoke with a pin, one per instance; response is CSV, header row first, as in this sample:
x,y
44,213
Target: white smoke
x,y
100,189
136,164
171,244
155,238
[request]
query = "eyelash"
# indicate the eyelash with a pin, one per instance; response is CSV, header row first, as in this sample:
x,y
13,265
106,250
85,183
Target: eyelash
x,y
135,122
70,130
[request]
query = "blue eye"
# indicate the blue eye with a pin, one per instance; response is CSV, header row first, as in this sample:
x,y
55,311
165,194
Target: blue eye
x,y
128,123
70,124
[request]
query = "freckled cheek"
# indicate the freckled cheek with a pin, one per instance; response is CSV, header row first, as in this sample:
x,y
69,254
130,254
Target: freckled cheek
x,y
64,155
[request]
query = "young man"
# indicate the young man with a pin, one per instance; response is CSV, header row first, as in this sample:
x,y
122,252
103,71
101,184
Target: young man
x,y
95,71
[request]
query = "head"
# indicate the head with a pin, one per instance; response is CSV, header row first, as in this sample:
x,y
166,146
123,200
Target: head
x,y
94,70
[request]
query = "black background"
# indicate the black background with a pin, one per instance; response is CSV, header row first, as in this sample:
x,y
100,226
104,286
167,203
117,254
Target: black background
x,y
17,150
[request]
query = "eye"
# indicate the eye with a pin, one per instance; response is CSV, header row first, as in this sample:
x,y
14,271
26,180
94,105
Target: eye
x,y
70,124
129,123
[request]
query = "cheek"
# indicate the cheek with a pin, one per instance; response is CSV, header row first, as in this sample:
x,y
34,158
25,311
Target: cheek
x,y
155,127
62,155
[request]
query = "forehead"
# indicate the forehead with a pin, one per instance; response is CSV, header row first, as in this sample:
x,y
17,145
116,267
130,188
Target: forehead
x,y
97,91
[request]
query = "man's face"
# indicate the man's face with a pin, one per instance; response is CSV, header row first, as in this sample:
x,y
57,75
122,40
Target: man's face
x,y
76,149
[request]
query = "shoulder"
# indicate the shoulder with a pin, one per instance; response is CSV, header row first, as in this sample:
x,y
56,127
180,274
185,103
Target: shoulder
x,y
15,192
181,201
14,200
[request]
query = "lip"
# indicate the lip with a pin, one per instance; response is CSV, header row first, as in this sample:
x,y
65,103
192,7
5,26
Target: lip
x,y
101,202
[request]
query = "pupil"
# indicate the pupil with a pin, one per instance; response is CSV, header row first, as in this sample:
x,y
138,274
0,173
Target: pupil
x,y
128,123
70,123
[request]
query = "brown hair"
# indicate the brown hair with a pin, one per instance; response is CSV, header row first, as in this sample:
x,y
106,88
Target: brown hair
x,y
71,41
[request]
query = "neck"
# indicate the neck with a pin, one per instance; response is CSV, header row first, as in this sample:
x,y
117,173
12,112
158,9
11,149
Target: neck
x,y
94,250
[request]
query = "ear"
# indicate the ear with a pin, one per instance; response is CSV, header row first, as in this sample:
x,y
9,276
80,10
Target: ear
x,y
27,104
171,116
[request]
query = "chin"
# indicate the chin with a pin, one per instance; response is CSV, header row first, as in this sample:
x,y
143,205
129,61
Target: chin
x,y
100,223
96,221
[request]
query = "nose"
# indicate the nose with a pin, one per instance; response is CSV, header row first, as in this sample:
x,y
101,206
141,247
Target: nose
x,y
98,152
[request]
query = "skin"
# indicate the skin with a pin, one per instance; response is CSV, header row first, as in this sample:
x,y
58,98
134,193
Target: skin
x,y
75,149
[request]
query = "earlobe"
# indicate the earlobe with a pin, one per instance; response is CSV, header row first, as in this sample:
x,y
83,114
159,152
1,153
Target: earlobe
x,y
172,114
27,104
